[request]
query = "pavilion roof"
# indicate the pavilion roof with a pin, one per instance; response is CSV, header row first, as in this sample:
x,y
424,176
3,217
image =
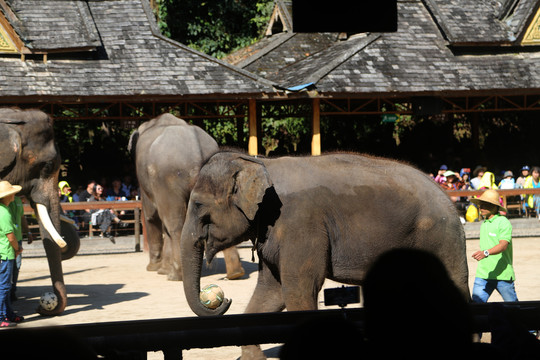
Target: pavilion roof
x,y
78,48
440,46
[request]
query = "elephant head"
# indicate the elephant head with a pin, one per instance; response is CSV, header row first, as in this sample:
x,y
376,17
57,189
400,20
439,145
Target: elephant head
x,y
222,212
29,157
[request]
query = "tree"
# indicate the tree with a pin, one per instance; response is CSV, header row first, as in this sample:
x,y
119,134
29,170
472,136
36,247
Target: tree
x,y
215,27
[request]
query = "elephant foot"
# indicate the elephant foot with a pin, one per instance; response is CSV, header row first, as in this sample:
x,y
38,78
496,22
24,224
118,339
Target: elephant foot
x,y
153,266
174,276
236,275
252,352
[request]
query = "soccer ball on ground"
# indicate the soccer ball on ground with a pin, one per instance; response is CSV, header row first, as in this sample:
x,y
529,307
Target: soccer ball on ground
x,y
211,296
48,301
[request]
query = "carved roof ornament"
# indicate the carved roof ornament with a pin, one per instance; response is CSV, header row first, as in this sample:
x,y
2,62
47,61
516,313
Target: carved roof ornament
x,y
6,45
532,35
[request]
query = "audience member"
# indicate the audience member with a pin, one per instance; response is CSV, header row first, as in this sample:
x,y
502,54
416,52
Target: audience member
x,y
487,181
524,173
440,179
127,185
115,192
65,192
478,173
532,201
397,329
104,218
465,175
508,181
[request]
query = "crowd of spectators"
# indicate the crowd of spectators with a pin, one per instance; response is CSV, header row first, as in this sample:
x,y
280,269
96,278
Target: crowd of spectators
x,y
481,179
107,220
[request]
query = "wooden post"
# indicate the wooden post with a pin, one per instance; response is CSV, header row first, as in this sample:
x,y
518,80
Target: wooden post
x,y
252,145
316,128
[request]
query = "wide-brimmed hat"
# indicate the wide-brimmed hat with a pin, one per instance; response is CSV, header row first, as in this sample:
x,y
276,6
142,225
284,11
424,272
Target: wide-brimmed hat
x,y
489,196
508,174
449,173
7,189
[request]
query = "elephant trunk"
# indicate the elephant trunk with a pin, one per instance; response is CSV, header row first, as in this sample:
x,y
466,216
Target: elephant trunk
x,y
192,251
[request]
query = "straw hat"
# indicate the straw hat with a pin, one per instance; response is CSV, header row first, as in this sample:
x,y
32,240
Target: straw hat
x,y
7,189
489,196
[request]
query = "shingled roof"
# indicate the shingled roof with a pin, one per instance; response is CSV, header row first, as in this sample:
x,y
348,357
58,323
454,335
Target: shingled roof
x,y
124,54
430,53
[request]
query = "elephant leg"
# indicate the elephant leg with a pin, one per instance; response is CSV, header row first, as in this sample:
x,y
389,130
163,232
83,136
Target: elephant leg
x,y
233,264
172,256
166,256
267,297
155,243
54,259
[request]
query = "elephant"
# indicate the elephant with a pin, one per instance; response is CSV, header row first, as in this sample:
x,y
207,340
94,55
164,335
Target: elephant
x,y
311,219
168,155
29,157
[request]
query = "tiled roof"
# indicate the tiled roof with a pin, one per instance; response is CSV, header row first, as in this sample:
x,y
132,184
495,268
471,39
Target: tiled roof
x,y
131,59
52,25
419,58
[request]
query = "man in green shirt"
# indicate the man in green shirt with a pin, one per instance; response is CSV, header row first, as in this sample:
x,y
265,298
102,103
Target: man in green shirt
x,y
9,250
16,207
495,270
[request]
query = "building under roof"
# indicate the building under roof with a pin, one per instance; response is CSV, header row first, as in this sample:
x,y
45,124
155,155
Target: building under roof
x,y
458,56
453,56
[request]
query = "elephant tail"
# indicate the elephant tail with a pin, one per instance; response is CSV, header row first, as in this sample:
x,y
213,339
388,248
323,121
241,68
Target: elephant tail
x,y
132,144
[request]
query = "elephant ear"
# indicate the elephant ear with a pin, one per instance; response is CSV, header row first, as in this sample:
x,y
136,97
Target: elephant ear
x,y
250,185
10,147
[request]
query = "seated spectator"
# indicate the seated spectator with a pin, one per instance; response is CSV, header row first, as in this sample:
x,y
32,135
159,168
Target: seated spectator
x,y
487,181
65,192
427,296
520,181
440,179
465,175
115,193
104,218
478,173
530,201
508,181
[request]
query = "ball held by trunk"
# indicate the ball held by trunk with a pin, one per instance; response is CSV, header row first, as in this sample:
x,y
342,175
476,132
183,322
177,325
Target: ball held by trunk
x,y
211,296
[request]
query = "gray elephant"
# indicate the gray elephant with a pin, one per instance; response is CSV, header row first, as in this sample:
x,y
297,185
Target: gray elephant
x,y
168,155
29,157
311,219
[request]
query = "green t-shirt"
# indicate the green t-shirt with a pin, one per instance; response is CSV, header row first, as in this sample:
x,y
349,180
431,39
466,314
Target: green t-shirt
x,y
498,266
17,212
6,226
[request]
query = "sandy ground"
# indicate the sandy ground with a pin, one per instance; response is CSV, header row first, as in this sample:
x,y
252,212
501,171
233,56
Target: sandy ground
x,y
116,287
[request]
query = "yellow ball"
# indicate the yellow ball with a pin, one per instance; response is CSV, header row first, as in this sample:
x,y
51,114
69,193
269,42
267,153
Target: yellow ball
x,y
211,296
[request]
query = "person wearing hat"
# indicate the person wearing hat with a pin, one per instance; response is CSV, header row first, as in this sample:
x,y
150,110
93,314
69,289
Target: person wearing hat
x,y
495,269
9,250
507,181
478,173
440,179
520,181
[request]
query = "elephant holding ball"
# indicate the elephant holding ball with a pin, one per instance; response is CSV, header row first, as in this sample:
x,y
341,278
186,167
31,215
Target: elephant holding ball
x,y
311,219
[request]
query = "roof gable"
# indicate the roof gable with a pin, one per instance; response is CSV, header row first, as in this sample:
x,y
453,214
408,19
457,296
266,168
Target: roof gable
x,y
52,25
532,34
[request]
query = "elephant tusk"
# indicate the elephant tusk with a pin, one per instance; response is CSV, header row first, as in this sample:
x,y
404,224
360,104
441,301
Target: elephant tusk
x,y
48,225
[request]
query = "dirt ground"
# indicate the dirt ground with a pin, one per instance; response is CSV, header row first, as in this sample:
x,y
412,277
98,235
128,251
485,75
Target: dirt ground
x,y
116,287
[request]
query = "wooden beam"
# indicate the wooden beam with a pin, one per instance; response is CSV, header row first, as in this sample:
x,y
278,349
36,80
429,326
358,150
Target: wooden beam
x,y
316,128
252,145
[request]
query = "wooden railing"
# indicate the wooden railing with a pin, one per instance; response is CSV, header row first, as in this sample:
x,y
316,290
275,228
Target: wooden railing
x,y
134,205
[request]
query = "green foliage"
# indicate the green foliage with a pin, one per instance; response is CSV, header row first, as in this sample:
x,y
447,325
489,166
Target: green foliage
x,y
215,27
